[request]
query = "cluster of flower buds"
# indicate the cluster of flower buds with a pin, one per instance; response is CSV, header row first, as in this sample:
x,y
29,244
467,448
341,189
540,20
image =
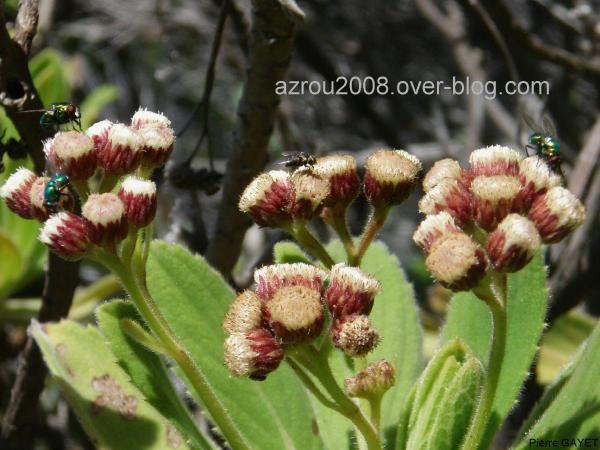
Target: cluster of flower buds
x,y
277,198
287,309
494,215
118,154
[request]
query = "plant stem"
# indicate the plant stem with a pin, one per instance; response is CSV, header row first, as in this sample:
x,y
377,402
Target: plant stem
x,y
311,386
335,216
497,305
375,406
160,327
305,238
373,226
316,364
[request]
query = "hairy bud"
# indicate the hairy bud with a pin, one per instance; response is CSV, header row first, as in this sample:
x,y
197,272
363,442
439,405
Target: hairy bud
x,y
340,171
372,382
495,160
244,314
106,218
16,190
350,291
443,170
73,153
310,192
494,197
269,279
556,214
513,243
66,235
354,335
253,354
139,199
433,227
268,199
122,152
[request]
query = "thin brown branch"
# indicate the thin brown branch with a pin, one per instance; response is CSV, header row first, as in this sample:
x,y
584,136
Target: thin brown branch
x,y
26,24
274,28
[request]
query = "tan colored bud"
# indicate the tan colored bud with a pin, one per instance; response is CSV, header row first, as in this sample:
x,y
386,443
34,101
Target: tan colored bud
x,y
253,354
494,197
310,192
295,314
372,382
148,119
350,291
139,199
244,314
269,279
536,178
513,243
451,196
157,145
556,214
340,171
456,262
495,160
433,227
16,190
390,177
354,335
73,153
122,152
268,199
67,235
442,170
106,218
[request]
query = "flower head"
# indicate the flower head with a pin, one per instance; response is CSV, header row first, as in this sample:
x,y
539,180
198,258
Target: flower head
x,y
157,145
433,227
495,160
245,314
354,335
494,197
73,153
513,243
67,235
268,199
372,382
139,199
148,119
122,152
252,354
350,291
98,133
310,192
340,171
556,214
442,170
269,279
15,192
106,218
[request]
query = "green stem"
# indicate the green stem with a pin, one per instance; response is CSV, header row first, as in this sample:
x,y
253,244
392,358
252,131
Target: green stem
x,y
311,386
314,362
305,238
159,326
375,406
497,305
335,216
373,226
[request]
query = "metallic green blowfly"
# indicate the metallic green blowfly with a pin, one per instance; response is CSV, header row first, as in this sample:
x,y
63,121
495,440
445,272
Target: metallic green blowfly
x,y
547,147
58,114
54,190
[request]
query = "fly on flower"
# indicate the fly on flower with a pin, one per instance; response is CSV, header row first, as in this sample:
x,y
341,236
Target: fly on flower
x,y
58,187
545,144
57,115
297,160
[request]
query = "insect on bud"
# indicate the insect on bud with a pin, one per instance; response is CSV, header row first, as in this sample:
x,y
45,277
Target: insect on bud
x,y
372,382
556,214
433,227
390,177
73,153
148,119
442,170
122,152
456,261
106,218
495,160
354,335
16,190
513,243
36,199
536,178
340,171
269,279
244,314
67,235
268,199
448,195
295,314
139,199
99,134
350,291
157,143
253,354
310,191
494,197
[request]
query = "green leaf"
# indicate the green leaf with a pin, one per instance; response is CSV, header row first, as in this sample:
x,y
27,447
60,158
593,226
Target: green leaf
x,y
111,409
95,102
146,370
49,77
470,320
572,405
288,252
11,265
274,414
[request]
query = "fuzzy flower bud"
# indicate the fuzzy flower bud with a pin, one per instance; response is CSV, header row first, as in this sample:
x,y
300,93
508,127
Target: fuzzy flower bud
x,y
15,192
536,178
494,197
106,218
372,382
442,170
253,354
122,152
340,171
495,160
295,314
269,198
73,153
390,177
350,291
355,335
148,119
98,133
244,314
270,279
433,227
513,243
556,214
456,262
310,191
448,195
66,235
139,199
157,145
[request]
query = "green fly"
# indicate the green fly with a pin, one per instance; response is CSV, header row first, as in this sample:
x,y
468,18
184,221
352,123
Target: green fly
x,y
57,115
546,145
55,189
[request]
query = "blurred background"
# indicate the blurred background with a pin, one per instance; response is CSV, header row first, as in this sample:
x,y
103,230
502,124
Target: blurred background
x,y
113,56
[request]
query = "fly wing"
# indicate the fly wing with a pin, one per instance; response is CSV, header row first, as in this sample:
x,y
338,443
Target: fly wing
x,y
548,125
